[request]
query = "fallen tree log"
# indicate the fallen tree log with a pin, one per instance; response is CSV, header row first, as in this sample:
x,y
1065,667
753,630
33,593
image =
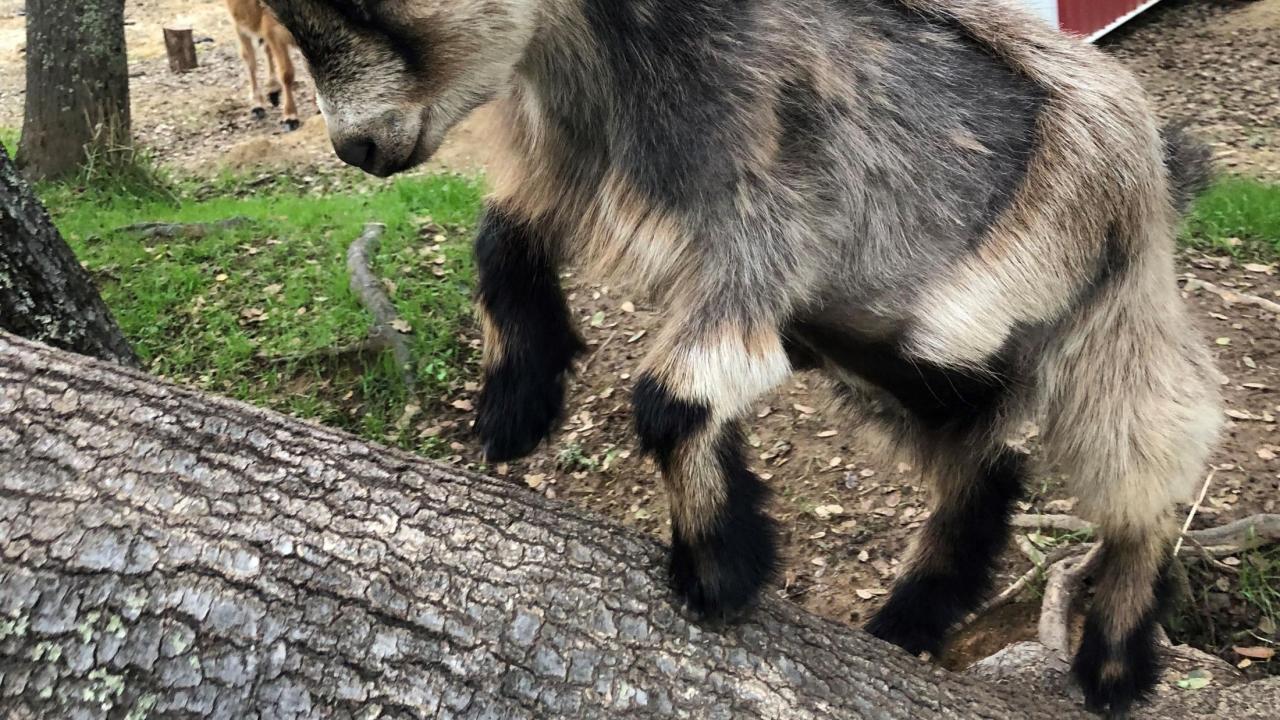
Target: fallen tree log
x,y
167,553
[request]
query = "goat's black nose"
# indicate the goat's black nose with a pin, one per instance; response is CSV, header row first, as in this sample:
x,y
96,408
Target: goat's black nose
x,y
358,151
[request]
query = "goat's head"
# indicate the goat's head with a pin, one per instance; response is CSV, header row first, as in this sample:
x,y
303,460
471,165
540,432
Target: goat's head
x,y
392,76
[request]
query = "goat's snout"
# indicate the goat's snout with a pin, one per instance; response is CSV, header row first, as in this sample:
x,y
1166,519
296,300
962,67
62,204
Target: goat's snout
x,y
381,144
358,151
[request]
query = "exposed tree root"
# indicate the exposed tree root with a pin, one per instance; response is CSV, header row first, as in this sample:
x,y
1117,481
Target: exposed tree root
x,y
171,231
1231,297
388,331
1055,608
1067,565
1240,536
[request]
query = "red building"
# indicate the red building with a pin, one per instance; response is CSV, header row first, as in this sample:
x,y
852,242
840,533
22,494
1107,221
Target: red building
x,y
1088,18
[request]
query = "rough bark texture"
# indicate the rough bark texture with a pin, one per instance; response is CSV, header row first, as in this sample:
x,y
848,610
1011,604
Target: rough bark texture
x,y
167,553
77,83
44,292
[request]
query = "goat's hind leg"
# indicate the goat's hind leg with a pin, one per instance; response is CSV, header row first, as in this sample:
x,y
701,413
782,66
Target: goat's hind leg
x,y
529,344
950,421
1130,415
284,77
273,81
695,386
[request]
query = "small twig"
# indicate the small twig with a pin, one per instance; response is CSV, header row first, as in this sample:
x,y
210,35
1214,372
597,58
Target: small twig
x,y
586,364
1010,593
1067,523
170,231
372,295
1055,608
1209,558
1029,549
1204,490
372,345
1231,297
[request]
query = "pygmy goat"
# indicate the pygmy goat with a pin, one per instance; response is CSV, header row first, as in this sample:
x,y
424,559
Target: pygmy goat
x,y
961,216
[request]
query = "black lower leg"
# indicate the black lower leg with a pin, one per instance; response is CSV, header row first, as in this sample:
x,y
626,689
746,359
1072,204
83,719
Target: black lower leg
x,y
519,291
1115,667
723,544
956,559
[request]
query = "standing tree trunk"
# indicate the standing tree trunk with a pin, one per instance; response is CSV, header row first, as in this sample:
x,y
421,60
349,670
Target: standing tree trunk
x,y
77,85
45,294
169,554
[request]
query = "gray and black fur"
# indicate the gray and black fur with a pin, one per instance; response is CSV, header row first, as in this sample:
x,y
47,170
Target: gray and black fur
x,y
962,217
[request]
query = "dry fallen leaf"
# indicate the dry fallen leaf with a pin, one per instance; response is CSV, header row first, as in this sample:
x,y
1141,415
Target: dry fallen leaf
x,y
1248,361
1255,653
827,511
401,326
628,307
827,433
1195,680
805,409
463,405
535,481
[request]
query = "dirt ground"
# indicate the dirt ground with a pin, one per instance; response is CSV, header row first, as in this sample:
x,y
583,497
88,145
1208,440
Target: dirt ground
x,y
846,517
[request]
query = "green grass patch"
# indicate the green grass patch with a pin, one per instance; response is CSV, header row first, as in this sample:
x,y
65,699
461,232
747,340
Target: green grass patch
x,y
250,310
1240,216
9,139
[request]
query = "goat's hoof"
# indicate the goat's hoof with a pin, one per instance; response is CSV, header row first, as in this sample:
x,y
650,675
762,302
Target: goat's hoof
x,y
1116,674
258,113
719,578
516,412
291,124
274,97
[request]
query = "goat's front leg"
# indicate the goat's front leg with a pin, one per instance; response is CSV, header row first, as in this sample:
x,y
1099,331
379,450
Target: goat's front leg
x,y
706,374
249,54
529,344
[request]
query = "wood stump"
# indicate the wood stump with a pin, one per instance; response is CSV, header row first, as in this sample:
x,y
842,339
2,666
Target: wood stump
x,y
181,46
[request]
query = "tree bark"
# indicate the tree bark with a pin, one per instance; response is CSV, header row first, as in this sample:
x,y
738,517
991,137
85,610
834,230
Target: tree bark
x,y
167,553
45,294
77,84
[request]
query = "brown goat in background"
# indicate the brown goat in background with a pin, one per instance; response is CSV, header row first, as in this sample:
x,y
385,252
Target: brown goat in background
x,y
256,25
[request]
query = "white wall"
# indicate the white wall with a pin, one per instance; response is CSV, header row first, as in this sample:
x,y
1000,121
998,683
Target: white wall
x,y
1047,9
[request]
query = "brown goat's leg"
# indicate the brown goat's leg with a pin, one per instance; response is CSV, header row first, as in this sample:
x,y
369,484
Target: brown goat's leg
x,y
249,54
273,81
278,51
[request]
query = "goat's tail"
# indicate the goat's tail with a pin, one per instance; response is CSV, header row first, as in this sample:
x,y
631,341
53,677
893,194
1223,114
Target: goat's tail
x,y
1189,163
